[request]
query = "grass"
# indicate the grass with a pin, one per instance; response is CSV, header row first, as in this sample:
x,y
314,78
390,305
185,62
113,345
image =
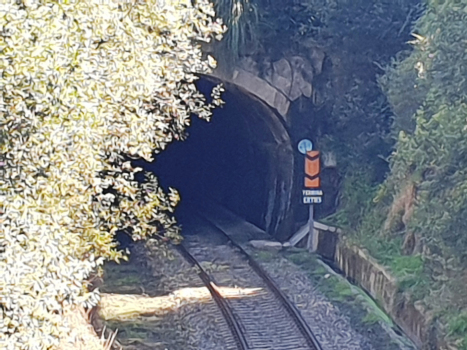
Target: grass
x,y
124,280
337,287
386,249
374,311
457,329
339,290
301,258
408,269
458,324
371,318
342,291
411,275
406,265
264,255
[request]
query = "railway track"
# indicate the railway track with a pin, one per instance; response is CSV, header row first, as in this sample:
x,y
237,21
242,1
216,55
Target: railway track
x,y
267,321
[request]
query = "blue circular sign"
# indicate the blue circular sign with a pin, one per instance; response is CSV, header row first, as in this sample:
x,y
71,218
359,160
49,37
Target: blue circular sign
x,y
304,146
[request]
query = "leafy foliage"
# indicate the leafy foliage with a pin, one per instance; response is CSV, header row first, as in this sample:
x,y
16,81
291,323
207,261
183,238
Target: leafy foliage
x,y
433,156
356,197
241,18
458,326
426,89
84,83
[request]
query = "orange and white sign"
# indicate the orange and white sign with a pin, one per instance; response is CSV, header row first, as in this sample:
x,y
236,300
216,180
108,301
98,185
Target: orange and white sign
x,y
312,168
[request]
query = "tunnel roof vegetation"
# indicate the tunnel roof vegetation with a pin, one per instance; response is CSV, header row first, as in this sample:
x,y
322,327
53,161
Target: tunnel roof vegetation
x,y
86,86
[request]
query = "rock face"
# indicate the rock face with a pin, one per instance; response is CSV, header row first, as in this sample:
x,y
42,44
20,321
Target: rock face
x,y
266,245
277,83
261,89
291,76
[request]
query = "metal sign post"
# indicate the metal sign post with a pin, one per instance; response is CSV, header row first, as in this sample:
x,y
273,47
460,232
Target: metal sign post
x,y
310,243
311,194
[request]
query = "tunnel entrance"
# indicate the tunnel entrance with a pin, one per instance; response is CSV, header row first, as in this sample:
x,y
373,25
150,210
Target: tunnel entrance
x,y
242,159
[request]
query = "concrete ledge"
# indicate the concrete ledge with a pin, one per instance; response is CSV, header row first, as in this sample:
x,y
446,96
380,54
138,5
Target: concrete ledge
x,y
360,268
271,246
319,227
259,88
323,227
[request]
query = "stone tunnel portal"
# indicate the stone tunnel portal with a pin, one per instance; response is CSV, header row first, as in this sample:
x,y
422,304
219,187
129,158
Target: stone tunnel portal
x,y
242,159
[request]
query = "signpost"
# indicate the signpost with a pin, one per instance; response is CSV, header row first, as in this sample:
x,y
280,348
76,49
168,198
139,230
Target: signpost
x,y
312,193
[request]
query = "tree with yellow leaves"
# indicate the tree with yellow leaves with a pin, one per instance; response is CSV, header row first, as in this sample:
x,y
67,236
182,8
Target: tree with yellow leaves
x,y
85,86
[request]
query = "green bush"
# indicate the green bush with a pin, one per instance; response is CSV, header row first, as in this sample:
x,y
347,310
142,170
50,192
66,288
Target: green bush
x,y
84,83
356,199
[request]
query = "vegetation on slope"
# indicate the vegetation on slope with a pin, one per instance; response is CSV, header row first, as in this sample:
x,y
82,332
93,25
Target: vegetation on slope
x,y
430,157
415,221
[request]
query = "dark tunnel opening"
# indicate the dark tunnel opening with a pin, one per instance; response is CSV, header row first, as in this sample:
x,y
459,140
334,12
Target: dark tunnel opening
x,y
242,159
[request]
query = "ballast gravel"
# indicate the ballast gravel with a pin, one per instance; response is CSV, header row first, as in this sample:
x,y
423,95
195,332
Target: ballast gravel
x,y
332,329
331,326
201,326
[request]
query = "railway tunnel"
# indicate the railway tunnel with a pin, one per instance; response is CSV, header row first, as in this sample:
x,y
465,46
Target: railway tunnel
x,y
243,159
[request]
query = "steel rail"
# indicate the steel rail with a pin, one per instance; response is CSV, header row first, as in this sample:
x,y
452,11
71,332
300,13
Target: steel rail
x,y
232,322
289,306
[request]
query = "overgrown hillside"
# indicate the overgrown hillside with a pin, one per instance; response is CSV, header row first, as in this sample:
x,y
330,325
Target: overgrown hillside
x,y
417,226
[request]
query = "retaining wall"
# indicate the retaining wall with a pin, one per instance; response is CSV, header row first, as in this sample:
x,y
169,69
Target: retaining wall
x,y
360,268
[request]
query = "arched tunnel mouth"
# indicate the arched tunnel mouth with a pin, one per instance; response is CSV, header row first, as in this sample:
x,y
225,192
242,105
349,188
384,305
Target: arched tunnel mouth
x,y
241,159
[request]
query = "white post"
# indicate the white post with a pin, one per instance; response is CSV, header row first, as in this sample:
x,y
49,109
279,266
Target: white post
x,y
310,245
